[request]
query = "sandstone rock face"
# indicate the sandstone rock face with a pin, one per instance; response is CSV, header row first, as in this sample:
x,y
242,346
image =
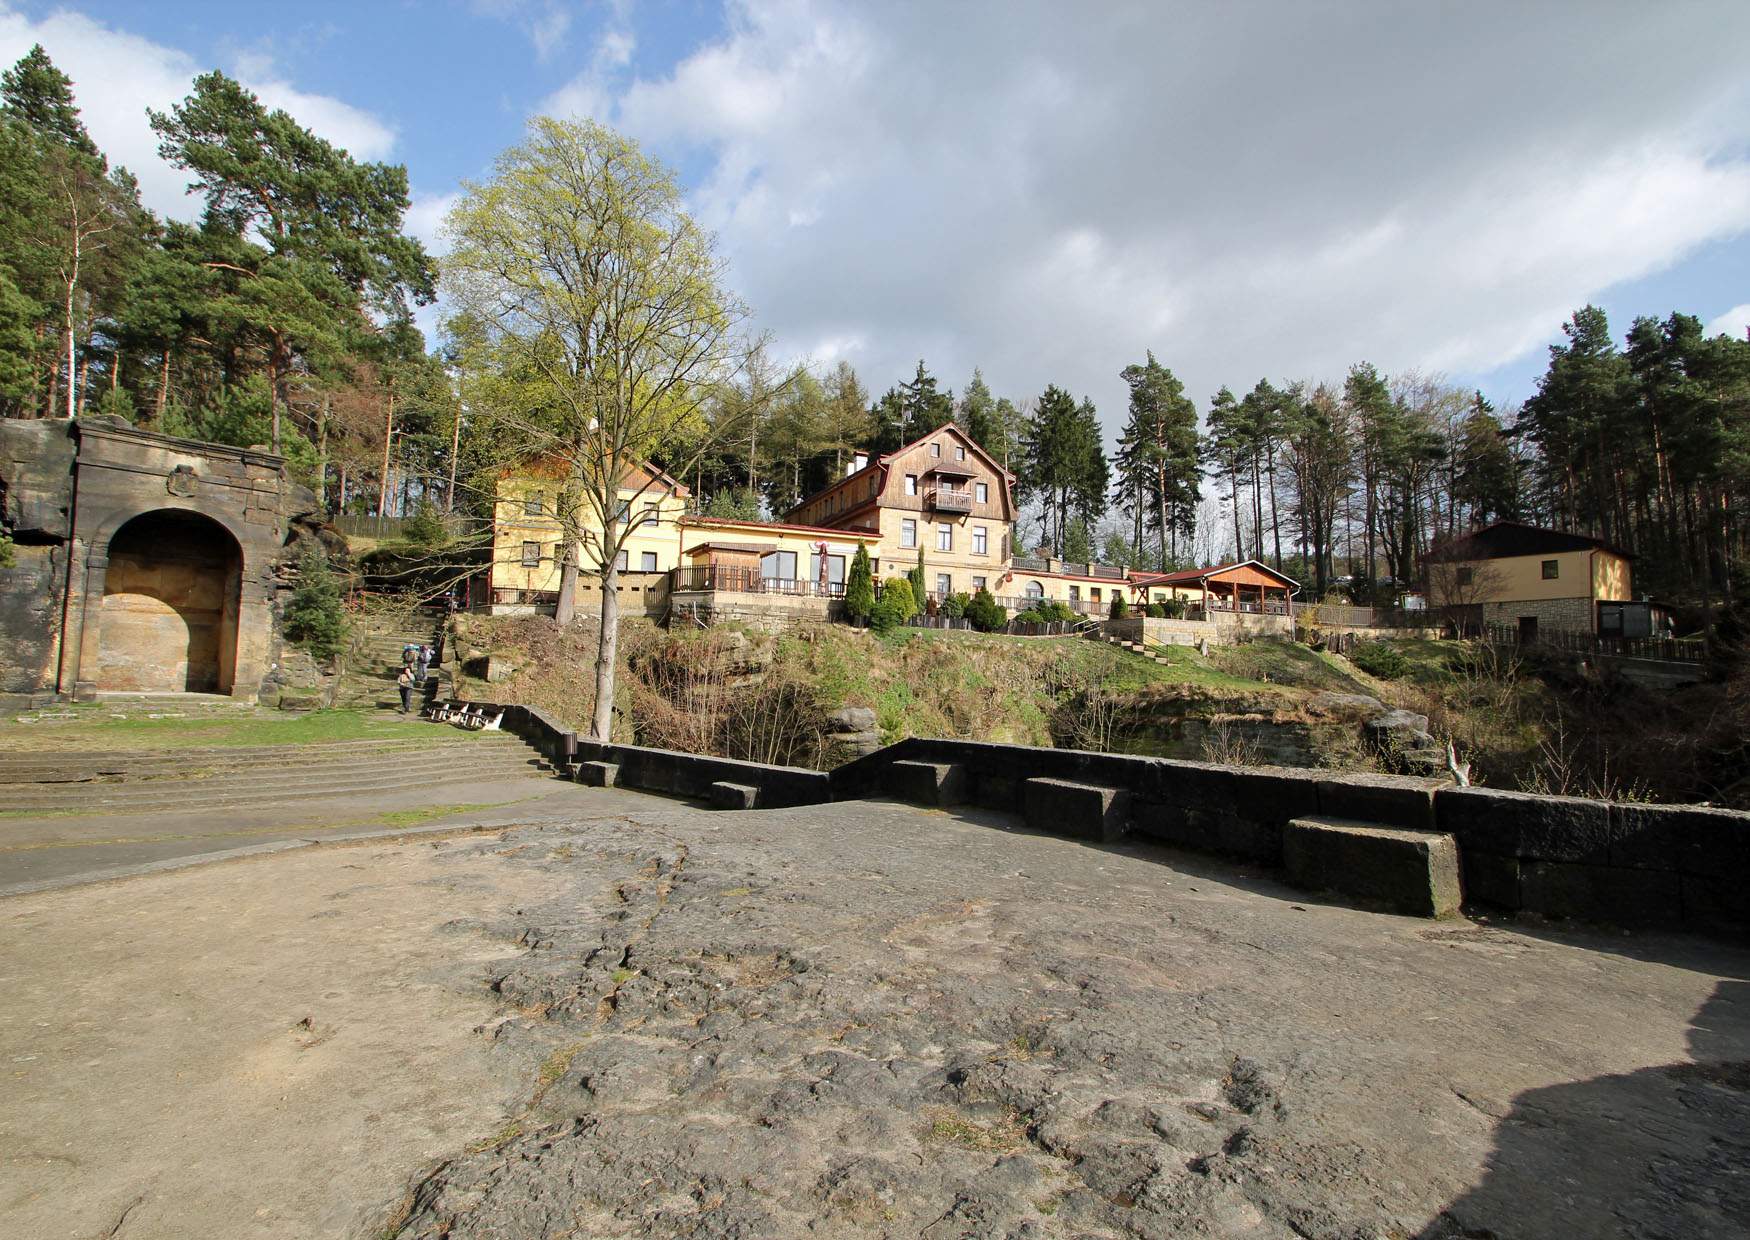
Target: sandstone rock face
x,y
852,719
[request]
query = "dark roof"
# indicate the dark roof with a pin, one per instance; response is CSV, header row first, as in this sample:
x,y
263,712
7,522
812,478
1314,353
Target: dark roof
x,y
1506,539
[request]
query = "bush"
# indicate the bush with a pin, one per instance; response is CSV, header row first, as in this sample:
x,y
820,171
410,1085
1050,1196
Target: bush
x,y
860,587
954,606
895,606
1048,611
425,529
1173,609
1120,607
986,614
1154,611
1379,659
314,617
916,578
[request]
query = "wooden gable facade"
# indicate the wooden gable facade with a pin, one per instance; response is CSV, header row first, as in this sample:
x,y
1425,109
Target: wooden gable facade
x,y
942,472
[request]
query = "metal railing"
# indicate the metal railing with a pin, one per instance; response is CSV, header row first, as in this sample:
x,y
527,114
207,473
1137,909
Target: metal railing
x,y
740,580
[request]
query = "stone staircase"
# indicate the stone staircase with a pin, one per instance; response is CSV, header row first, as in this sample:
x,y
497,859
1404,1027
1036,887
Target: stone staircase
x,y
86,781
1138,648
373,661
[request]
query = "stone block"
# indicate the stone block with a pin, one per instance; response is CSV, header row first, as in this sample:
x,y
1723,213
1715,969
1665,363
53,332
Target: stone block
x,y
1691,839
926,783
1391,800
598,774
1489,878
1600,893
1080,811
1522,824
725,795
1206,786
1275,794
1717,904
1407,871
1169,824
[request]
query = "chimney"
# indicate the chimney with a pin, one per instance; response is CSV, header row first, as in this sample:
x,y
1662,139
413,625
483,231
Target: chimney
x,y
859,461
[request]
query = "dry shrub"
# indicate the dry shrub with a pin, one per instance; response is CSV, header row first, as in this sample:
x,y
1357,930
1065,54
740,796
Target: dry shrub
x,y
1225,745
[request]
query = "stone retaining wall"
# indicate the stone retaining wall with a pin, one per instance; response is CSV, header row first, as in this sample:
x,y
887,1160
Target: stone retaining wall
x,y
1644,865
1659,865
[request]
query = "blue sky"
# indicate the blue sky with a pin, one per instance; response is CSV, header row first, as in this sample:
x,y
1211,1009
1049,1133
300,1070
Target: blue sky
x,y
1045,190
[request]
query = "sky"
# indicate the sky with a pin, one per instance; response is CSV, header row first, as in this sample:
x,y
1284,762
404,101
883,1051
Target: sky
x,y
1047,191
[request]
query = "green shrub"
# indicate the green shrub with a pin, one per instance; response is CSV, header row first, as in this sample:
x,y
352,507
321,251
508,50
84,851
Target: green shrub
x,y
1154,611
860,587
895,606
5,549
1381,660
1120,606
425,529
954,606
916,578
314,617
1173,609
987,615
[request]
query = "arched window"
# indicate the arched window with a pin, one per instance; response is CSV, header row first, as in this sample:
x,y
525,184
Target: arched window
x,y
1035,590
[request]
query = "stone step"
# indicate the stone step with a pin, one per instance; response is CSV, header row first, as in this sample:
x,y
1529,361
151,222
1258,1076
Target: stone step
x,y
260,779
194,800
85,766
264,776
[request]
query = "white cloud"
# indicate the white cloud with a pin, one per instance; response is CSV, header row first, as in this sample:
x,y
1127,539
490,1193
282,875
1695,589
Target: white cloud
x,y
117,76
1048,190
425,218
1733,322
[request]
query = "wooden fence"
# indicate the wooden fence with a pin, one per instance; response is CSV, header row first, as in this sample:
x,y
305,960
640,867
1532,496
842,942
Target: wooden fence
x,y
1690,650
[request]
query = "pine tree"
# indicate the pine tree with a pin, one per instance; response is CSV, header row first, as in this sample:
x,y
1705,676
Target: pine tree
x,y
859,587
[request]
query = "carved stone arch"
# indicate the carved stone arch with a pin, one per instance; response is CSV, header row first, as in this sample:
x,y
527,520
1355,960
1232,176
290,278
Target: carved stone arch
x,y
172,596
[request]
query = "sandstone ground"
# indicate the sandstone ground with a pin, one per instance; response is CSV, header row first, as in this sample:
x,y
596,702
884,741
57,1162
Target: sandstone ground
x,y
624,1016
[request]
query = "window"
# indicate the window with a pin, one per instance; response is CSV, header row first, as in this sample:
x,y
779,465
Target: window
x,y
959,453
651,513
944,584
978,584
1467,576
1552,569
944,538
1094,594
778,566
908,533
911,484
982,492
1075,594
531,554
980,540
1035,590
835,568
935,449
647,562
532,504
622,561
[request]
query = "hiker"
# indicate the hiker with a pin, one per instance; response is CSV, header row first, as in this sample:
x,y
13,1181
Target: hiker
x,y
404,682
409,654
423,662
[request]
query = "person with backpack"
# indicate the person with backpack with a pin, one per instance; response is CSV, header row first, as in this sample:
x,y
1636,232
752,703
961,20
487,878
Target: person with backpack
x,y
404,682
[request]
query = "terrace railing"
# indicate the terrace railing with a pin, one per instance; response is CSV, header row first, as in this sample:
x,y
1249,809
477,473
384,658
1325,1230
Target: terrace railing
x,y
741,580
1689,650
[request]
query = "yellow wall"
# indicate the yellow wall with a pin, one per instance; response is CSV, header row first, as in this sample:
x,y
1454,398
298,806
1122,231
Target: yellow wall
x,y
960,563
769,538
1592,574
512,526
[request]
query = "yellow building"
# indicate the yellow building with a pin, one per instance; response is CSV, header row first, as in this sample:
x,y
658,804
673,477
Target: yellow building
x,y
942,495
1527,577
528,548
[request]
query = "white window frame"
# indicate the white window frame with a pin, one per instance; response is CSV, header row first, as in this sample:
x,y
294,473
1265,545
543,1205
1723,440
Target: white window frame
x,y
908,533
647,562
944,537
978,583
944,584
911,484
980,540
959,453
982,491
935,449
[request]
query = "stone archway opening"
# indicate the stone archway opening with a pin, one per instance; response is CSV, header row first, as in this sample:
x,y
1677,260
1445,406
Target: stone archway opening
x,y
170,604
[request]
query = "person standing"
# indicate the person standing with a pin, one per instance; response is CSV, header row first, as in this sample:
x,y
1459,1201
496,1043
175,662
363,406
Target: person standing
x,y
404,682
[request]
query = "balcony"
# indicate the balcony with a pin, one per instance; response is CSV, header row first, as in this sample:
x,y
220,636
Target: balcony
x,y
949,499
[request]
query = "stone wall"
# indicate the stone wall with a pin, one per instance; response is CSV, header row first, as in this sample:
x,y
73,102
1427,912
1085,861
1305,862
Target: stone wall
x,y
197,533
1224,629
1652,865
1572,614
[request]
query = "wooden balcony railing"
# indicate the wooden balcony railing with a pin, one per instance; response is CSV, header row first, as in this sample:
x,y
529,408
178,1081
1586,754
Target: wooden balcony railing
x,y
949,499
739,580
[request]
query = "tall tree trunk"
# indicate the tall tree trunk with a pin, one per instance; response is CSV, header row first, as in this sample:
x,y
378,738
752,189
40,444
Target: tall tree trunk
x,y
607,654
1234,493
163,389
322,453
455,451
1275,517
388,437
565,606
84,374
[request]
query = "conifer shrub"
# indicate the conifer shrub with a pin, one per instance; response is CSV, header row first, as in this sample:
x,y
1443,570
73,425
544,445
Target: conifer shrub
x,y
314,616
860,588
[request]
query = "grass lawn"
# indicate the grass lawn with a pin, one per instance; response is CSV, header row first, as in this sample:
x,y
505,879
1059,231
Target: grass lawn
x,y
104,727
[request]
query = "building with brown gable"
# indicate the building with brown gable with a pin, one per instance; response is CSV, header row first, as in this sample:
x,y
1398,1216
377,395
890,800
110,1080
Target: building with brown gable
x,y
940,495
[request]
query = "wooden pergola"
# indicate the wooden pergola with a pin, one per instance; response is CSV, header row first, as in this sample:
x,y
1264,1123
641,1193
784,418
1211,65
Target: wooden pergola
x,y
1244,586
